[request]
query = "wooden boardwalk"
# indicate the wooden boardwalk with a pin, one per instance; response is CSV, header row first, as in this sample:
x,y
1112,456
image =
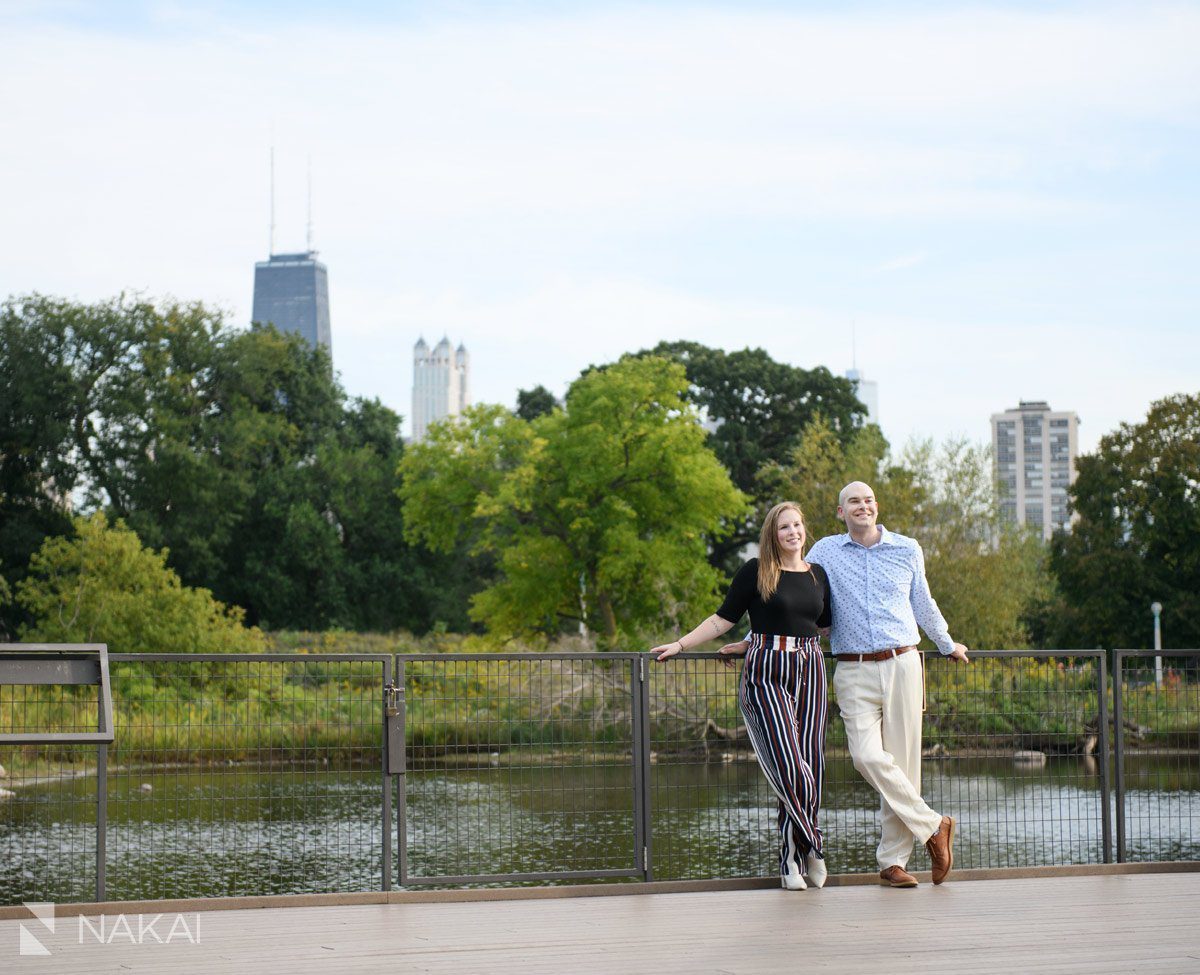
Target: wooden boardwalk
x,y
1122,923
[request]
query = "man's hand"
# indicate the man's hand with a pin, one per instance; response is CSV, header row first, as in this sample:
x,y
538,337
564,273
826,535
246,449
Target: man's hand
x,y
731,650
959,653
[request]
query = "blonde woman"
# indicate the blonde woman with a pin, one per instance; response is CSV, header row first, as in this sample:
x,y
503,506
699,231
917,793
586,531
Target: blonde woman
x,y
782,693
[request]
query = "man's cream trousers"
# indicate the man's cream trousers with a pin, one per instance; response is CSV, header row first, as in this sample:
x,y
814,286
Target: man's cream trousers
x,y
881,703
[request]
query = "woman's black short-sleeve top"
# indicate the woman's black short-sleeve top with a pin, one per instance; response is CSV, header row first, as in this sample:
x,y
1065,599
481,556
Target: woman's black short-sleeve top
x,y
798,606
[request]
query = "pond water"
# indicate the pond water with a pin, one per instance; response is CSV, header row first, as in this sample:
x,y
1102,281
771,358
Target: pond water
x,y
236,830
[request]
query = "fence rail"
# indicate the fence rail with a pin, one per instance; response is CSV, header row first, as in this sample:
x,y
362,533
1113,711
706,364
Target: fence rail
x,y
286,773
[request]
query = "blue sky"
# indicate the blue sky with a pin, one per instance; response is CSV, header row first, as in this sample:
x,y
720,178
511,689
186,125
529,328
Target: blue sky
x,y
999,200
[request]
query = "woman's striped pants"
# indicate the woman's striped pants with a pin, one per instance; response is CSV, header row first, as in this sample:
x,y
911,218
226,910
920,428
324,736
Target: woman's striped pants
x,y
782,696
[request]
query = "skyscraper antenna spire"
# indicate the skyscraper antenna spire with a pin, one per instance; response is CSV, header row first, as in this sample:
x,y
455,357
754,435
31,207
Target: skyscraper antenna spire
x,y
309,235
854,344
271,245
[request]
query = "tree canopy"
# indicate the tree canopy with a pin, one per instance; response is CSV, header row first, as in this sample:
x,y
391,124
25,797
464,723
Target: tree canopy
x,y
238,460
755,408
759,405
237,451
1137,504
596,513
103,586
532,403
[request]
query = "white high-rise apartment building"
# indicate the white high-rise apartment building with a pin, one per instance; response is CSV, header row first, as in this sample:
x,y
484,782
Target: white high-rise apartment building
x,y
1035,450
441,384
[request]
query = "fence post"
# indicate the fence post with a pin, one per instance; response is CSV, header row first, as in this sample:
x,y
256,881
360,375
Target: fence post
x,y
101,818
1105,811
1119,734
387,776
642,839
395,716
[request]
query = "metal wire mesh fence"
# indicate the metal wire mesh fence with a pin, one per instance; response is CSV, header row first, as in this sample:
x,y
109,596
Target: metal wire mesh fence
x,y
1013,745
48,830
520,768
1010,749
711,809
1158,754
55,726
228,775
272,774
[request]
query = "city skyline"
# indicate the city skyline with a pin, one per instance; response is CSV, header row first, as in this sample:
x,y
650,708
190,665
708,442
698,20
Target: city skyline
x,y
933,195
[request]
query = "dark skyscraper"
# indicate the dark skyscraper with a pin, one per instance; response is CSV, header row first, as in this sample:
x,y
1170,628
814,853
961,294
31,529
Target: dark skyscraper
x,y
292,292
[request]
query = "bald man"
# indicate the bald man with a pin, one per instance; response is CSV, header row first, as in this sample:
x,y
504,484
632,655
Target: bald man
x,y
879,597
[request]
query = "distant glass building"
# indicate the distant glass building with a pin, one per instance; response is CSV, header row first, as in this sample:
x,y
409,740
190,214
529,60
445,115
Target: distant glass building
x,y
441,384
291,291
867,391
1035,450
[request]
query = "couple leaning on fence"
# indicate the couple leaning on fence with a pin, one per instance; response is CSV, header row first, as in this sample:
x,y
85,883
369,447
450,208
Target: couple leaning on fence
x,y
866,589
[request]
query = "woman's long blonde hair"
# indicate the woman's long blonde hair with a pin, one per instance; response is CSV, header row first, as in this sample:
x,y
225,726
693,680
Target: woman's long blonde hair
x,y
770,562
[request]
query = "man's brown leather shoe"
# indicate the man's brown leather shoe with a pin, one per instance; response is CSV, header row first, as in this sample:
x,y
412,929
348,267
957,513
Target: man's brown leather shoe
x,y
941,849
897,876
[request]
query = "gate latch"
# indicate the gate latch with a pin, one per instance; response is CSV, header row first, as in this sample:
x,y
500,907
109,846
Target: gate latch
x,y
393,720
393,697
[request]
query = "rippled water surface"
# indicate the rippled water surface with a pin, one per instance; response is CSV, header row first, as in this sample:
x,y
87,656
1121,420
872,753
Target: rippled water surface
x,y
231,831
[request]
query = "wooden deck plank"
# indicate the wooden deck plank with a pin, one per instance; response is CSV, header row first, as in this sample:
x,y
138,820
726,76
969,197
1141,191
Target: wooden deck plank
x,y
1060,926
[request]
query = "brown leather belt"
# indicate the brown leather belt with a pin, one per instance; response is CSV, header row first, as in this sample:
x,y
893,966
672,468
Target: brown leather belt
x,y
857,658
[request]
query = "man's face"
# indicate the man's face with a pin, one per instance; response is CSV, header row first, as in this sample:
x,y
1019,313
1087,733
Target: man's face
x,y
858,508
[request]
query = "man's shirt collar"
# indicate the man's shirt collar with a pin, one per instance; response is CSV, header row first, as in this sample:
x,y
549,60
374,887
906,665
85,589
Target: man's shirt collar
x,y
885,538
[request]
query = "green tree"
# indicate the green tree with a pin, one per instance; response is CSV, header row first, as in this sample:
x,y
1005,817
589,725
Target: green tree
x,y
5,599
237,451
58,361
756,407
598,512
1137,503
532,403
103,586
759,405
270,483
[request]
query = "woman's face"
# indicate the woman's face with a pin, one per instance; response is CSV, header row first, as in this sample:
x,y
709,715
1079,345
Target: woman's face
x,y
789,531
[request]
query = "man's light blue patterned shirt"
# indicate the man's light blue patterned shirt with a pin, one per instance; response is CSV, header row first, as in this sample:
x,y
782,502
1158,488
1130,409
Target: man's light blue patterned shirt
x,y
880,594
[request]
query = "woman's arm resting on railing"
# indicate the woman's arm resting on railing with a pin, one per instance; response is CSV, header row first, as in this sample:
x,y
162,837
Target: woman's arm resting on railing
x,y
710,629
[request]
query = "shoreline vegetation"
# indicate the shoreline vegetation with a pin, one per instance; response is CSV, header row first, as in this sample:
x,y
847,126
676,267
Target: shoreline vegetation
x,y
486,710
